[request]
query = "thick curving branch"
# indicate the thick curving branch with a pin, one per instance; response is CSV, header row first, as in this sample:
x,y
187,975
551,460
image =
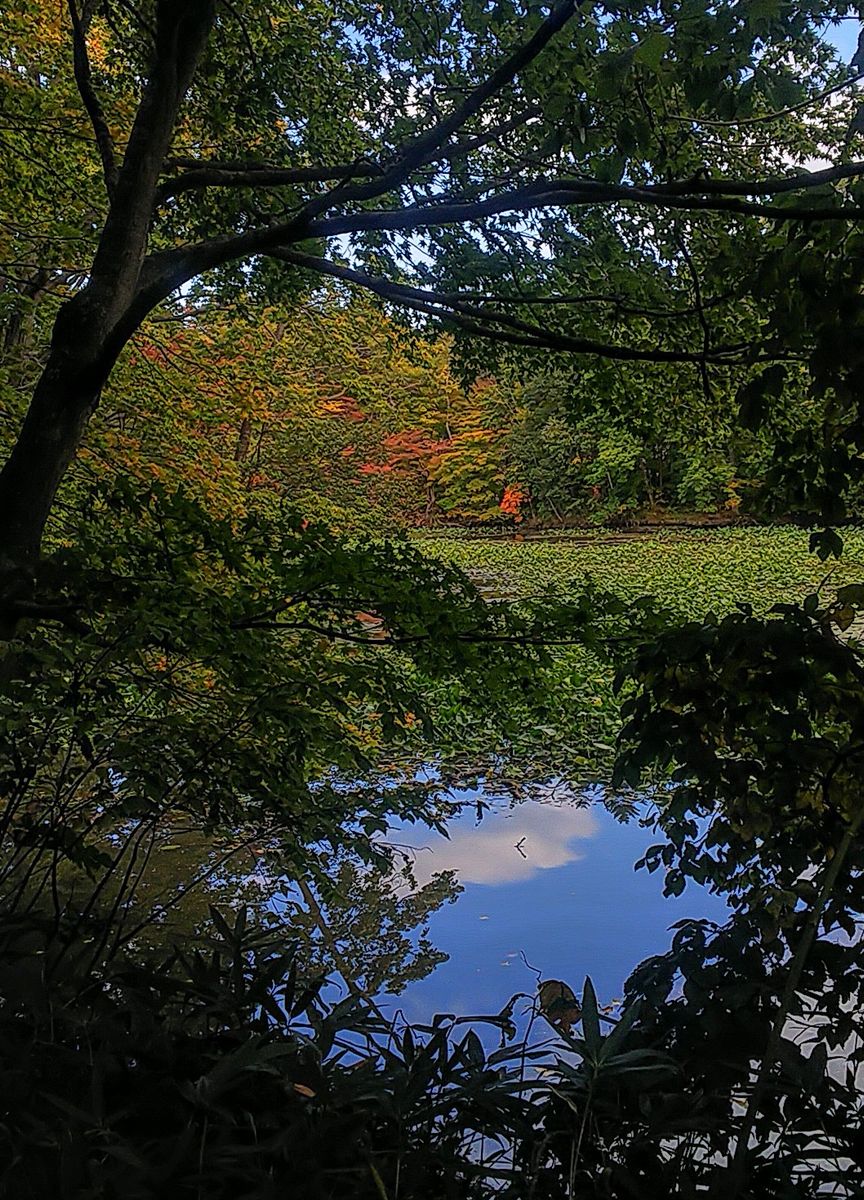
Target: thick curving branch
x,y
692,195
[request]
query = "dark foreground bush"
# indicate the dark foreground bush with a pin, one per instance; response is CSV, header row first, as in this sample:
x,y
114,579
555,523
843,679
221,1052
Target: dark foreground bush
x,y
221,1072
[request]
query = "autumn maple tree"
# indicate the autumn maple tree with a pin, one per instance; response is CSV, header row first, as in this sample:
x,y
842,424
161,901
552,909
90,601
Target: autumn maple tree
x,y
329,404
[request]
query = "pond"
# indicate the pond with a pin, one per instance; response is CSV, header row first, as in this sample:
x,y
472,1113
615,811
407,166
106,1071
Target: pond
x,y
553,882
548,885
549,889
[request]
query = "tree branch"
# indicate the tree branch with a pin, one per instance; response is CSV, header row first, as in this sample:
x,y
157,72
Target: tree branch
x,y
167,270
419,150
617,302
766,118
703,320
258,175
573,193
492,324
200,174
181,32
358,639
773,186
83,79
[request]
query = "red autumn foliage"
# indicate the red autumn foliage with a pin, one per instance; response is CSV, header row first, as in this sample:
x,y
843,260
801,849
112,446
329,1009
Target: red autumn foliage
x,y
512,501
407,452
374,469
345,407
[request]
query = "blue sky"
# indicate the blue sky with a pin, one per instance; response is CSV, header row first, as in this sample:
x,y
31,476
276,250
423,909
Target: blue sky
x,y
845,37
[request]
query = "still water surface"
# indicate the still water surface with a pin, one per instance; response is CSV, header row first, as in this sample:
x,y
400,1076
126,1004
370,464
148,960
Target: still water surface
x,y
553,881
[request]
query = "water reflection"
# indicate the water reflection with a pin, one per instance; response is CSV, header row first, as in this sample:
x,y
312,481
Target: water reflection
x,y
566,897
508,845
548,881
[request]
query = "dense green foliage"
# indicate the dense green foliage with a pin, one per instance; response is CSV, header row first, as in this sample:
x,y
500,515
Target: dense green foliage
x,y
692,571
571,733
206,660
258,1080
576,455
250,1093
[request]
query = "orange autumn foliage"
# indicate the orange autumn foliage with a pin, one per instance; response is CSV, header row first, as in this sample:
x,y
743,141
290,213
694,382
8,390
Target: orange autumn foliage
x,y
512,502
332,406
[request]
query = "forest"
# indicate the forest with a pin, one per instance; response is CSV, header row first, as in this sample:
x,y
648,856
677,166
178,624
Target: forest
x,y
363,422
416,416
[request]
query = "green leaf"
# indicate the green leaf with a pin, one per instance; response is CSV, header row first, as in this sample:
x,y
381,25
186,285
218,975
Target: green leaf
x,y
591,1020
826,543
652,49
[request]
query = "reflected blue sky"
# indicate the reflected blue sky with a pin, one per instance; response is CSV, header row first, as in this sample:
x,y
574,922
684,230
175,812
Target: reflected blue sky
x,y
573,904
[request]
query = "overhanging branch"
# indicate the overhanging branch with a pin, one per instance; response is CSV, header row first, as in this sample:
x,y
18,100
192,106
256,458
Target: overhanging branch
x,y
690,196
499,326
170,269
199,174
165,271
259,175
773,186
422,148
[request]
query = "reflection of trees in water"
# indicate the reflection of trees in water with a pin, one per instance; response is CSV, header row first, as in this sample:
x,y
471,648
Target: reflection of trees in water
x,y
361,922
180,873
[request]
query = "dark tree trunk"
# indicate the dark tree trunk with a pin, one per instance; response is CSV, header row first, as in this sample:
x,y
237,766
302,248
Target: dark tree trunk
x,y
65,396
28,483
243,438
92,328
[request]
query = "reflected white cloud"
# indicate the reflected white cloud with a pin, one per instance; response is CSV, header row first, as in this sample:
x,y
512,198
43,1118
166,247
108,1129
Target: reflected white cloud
x,y
507,846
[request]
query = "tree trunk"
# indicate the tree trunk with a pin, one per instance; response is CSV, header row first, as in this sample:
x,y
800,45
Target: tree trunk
x,y
65,396
31,476
243,439
92,328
